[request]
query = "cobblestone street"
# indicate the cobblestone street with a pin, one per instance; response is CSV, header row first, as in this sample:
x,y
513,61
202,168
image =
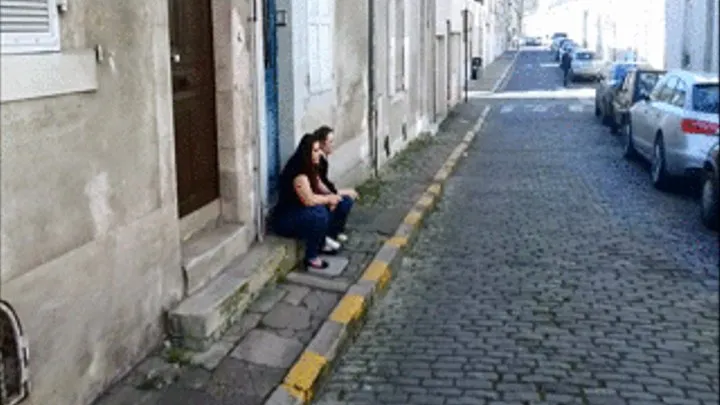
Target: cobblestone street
x,y
550,273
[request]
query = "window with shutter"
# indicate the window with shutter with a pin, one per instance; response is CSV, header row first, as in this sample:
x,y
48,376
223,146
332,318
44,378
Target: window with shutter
x,y
320,45
29,26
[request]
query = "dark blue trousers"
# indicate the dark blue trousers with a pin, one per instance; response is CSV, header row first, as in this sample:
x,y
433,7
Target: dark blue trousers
x,y
312,224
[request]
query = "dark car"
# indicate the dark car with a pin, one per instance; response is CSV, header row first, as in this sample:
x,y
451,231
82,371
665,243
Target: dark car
x,y
637,84
709,201
611,79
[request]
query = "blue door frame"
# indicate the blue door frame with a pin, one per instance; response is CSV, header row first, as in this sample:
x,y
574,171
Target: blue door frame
x,y
271,101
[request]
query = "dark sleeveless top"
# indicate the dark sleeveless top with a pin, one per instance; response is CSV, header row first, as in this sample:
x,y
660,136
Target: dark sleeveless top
x,y
287,196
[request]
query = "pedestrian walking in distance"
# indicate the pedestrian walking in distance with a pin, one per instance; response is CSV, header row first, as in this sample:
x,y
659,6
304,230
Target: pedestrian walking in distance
x,y
565,65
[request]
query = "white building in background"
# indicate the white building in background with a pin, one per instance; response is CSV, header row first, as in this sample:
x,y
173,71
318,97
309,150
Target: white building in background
x,y
493,23
691,30
666,33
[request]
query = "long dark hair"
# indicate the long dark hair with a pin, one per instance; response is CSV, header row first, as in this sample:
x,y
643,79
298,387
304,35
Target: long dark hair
x,y
303,154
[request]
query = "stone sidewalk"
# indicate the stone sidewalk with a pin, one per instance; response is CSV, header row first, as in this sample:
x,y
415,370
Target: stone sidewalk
x,y
253,357
489,77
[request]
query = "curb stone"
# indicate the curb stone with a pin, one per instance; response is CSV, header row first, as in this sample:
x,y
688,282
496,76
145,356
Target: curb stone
x,y
506,74
300,383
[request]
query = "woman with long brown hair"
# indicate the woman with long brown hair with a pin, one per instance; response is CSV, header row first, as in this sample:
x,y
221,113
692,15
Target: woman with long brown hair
x,y
305,207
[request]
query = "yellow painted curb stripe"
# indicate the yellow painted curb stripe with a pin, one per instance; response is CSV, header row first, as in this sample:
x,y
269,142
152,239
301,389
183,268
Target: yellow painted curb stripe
x,y
413,218
426,201
434,189
379,272
348,309
302,376
397,241
442,174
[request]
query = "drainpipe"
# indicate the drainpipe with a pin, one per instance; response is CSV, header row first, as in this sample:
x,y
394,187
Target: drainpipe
x,y
465,39
257,175
372,107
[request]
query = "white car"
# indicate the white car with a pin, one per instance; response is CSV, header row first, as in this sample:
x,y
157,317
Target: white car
x,y
676,125
584,64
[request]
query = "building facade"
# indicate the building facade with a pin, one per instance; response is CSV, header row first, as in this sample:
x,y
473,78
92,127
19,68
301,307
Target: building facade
x,y
669,34
142,141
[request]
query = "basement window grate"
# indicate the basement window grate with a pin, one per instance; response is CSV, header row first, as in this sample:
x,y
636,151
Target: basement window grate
x,y
14,381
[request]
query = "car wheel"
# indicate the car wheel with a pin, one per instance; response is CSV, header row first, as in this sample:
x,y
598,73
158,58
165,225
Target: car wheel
x,y
629,149
597,109
658,173
709,201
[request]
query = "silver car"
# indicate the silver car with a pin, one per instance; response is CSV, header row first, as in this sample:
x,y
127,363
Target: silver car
x,y
676,125
584,64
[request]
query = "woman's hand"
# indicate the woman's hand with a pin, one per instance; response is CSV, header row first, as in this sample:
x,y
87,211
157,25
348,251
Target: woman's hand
x,y
333,200
348,192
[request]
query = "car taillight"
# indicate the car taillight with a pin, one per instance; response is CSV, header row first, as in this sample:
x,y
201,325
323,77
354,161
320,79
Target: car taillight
x,y
699,127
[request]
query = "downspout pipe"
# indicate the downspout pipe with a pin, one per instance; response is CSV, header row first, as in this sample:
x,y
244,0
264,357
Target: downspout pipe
x,y
257,174
372,107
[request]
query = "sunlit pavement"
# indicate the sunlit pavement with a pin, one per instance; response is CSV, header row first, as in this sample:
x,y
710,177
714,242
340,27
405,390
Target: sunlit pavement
x,y
551,273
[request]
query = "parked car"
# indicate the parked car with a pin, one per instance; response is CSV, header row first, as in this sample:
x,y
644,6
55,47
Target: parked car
x,y
611,79
676,125
555,44
638,84
533,41
710,200
567,46
555,40
584,65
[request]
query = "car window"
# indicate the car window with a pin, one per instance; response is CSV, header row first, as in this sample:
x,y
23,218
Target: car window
x,y
655,93
646,82
705,98
679,93
584,56
667,90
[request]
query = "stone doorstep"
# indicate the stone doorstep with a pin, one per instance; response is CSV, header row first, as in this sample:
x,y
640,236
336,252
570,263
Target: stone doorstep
x,y
210,251
203,316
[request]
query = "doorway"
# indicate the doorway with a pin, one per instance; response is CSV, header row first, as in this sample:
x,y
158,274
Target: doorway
x,y
193,87
271,100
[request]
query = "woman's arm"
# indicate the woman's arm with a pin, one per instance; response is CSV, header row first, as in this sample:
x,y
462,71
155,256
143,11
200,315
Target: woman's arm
x,y
324,189
306,194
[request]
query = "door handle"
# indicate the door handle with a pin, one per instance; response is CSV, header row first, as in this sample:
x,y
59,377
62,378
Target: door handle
x,y
175,58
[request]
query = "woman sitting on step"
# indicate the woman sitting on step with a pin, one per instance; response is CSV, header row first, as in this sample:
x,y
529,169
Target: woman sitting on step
x,y
306,209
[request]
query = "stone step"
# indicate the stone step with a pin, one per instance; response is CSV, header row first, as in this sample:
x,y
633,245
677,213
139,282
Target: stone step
x,y
203,316
207,253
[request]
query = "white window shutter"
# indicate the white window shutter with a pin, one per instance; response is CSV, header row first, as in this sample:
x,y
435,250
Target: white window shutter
x,y
320,45
326,44
314,56
29,26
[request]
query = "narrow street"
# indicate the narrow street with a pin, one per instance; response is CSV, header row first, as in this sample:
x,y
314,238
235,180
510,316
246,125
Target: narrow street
x,y
551,272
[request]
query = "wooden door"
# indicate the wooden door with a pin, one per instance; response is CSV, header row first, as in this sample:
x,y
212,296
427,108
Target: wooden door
x,y
193,82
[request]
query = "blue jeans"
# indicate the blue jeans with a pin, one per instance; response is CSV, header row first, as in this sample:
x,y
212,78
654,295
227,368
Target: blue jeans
x,y
338,218
312,224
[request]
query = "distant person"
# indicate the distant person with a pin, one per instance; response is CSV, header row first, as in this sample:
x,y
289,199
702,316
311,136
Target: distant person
x,y
326,137
306,209
565,65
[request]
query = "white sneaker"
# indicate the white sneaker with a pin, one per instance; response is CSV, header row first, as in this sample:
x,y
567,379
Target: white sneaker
x,y
331,244
342,237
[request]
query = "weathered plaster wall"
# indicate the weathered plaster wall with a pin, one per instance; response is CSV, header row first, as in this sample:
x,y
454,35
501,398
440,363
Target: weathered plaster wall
x,y
90,246
344,107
